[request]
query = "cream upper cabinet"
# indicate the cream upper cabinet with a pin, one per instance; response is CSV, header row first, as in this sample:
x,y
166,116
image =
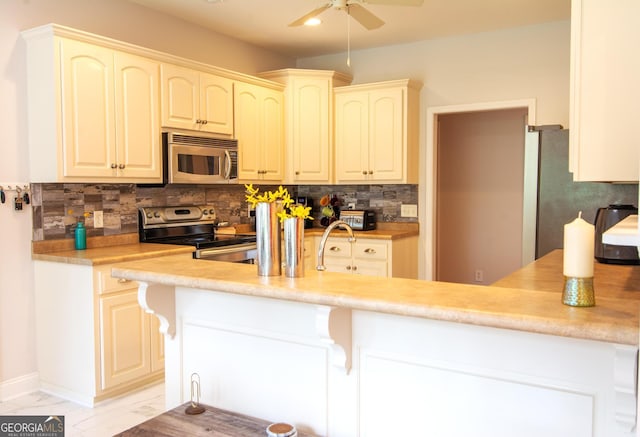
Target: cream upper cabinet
x,y
196,100
309,122
93,112
377,132
605,90
259,128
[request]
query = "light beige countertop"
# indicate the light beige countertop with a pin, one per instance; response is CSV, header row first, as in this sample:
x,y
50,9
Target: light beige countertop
x,y
613,319
103,250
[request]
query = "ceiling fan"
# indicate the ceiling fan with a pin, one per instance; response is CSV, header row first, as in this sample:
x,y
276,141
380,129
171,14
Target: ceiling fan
x,y
356,10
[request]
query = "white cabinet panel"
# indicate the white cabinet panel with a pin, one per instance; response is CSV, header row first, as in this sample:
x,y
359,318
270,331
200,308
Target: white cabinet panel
x,y
605,90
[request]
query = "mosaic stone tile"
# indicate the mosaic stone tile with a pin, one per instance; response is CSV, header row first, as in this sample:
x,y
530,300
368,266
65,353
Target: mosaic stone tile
x,y
51,203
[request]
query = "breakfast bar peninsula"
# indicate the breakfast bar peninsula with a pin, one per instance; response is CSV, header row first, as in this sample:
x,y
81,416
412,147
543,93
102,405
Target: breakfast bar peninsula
x,y
348,355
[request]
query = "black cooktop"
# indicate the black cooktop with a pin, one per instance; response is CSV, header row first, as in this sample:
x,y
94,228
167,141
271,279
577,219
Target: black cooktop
x,y
207,241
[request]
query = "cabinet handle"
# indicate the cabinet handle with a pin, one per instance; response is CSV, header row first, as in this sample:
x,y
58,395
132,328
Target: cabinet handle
x,y
121,166
113,165
334,249
369,250
122,281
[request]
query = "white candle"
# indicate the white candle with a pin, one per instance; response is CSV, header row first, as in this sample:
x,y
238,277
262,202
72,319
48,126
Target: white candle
x,y
578,248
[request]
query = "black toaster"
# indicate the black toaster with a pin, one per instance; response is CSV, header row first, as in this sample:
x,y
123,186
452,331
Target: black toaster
x,y
359,219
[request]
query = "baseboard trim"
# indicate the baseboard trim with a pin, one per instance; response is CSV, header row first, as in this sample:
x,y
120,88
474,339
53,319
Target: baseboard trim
x,y
16,387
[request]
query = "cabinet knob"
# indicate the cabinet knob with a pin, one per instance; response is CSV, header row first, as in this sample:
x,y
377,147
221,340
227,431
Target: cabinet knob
x,y
348,267
121,166
198,121
369,250
205,121
354,268
123,281
113,165
370,171
297,173
334,249
364,172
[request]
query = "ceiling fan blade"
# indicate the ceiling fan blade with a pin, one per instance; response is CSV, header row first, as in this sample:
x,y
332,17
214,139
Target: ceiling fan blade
x,y
300,21
395,2
364,17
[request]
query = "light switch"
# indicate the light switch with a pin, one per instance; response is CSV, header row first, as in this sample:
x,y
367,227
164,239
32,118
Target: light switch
x,y
409,210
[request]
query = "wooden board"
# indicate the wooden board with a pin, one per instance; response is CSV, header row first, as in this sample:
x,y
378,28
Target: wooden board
x,y
214,422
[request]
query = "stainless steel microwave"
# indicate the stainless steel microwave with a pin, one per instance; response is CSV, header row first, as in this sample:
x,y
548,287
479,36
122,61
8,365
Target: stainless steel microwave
x,y
199,159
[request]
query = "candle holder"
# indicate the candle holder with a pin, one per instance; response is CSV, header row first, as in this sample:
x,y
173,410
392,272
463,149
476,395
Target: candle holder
x,y
578,292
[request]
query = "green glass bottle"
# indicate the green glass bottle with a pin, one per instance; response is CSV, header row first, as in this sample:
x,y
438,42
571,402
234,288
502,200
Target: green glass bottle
x,y
81,236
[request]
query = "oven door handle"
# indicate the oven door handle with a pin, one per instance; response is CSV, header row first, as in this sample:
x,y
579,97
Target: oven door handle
x,y
225,250
227,157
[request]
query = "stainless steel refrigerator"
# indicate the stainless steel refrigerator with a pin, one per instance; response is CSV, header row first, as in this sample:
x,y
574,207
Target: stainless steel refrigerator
x,y
560,199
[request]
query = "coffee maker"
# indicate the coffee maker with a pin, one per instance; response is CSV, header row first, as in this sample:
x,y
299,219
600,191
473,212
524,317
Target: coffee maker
x,y
306,201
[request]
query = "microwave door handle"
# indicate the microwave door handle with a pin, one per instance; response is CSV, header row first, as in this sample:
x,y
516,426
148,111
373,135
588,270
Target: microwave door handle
x,y
227,156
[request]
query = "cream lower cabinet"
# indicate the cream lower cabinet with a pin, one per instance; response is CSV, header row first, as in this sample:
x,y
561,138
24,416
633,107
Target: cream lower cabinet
x,y
377,132
196,100
375,257
309,122
128,350
259,129
605,90
93,340
93,112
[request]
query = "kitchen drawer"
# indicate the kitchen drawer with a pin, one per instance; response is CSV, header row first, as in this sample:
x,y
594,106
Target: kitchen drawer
x,y
370,250
337,248
108,284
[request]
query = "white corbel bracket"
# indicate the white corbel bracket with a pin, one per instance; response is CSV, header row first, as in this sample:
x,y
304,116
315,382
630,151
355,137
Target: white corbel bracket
x,y
159,300
625,380
333,326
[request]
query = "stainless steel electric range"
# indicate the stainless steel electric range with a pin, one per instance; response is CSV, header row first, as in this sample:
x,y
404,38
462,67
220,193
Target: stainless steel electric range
x,y
194,226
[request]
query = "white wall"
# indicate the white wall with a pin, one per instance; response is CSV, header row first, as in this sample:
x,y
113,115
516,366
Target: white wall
x,y
113,18
509,65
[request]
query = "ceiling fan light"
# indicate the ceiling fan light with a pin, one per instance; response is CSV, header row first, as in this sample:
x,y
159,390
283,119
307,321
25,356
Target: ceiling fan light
x,y
314,21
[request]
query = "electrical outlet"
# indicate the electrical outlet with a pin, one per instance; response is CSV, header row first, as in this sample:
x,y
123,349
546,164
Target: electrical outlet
x,y
351,205
98,219
479,276
409,210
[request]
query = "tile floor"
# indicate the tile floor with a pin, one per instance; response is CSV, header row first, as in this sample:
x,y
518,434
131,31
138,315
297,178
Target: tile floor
x,y
106,419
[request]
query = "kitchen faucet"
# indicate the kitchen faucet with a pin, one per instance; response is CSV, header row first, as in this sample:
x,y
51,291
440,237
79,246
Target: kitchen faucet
x,y
325,236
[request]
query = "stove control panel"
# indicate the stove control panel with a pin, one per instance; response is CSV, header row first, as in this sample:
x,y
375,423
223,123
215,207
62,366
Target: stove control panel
x,y
176,215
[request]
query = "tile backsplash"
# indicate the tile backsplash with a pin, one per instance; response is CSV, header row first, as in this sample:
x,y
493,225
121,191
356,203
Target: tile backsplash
x,y
57,207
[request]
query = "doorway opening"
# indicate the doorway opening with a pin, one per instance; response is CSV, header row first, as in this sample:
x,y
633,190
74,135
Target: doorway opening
x,y
480,225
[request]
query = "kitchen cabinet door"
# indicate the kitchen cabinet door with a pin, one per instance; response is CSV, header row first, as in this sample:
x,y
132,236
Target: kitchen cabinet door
x,y
216,104
180,97
386,131
137,82
124,328
605,90
352,136
377,133
260,132
87,110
